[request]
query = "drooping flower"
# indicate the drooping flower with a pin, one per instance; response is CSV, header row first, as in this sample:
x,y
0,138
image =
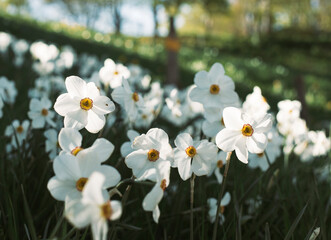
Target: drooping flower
x,y
193,156
152,199
83,106
94,208
243,134
151,149
212,205
214,88
217,164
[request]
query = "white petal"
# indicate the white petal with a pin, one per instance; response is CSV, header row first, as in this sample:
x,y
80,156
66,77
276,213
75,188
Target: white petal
x,y
257,143
156,214
241,150
116,207
264,124
132,134
72,123
226,199
99,152
92,91
137,159
79,115
153,198
76,86
92,192
184,167
126,149
95,122
103,105
232,118
60,188
77,213
201,79
70,138
158,134
65,104
216,71
119,95
66,167
226,139
200,167
112,176
183,141
38,122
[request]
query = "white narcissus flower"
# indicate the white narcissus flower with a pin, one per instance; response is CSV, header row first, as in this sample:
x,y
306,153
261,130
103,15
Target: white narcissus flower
x,y
255,104
52,146
214,88
193,156
40,114
72,173
18,132
94,208
111,74
129,100
212,205
8,91
243,134
151,149
152,199
216,165
83,106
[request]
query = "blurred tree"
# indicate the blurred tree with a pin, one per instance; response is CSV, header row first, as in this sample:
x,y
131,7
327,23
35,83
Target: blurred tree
x,y
18,4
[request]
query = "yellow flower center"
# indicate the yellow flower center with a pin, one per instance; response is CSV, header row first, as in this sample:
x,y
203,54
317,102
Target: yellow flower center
x,y
264,99
105,210
44,112
144,116
222,208
116,73
19,129
135,97
86,104
260,154
191,151
76,150
220,164
153,155
214,89
163,184
247,130
80,184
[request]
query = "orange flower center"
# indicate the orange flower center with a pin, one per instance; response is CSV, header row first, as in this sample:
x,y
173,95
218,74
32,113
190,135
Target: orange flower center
x,y
153,155
135,97
44,112
260,154
214,89
163,184
116,73
19,129
247,130
106,210
191,151
220,164
86,104
222,208
222,121
76,150
80,184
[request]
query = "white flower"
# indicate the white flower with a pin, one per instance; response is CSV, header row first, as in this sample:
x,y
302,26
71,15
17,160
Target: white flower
x,y
152,199
83,106
94,208
5,40
243,134
8,90
214,88
40,114
255,104
212,205
51,144
18,132
111,74
70,140
151,149
44,52
129,100
193,156
216,165
72,173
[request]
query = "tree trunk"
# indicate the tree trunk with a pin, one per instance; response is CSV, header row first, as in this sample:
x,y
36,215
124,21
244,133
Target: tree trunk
x,y
172,45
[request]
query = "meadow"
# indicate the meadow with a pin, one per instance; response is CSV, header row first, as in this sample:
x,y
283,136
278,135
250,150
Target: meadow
x,y
281,194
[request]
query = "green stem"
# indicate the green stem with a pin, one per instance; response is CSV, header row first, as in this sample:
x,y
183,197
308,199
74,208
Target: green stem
x,y
191,206
228,157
